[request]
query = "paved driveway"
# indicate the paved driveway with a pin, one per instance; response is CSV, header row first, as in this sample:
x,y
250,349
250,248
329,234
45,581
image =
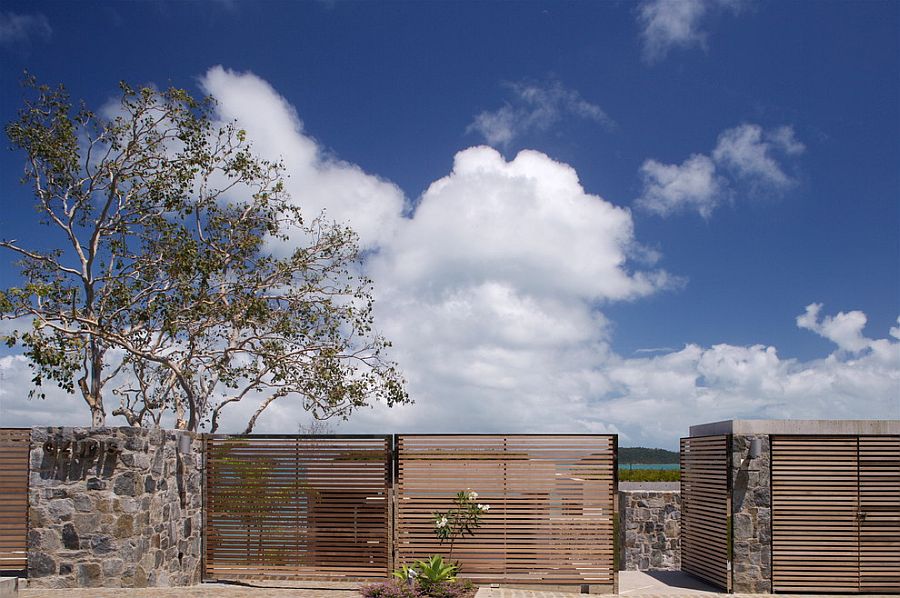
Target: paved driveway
x,y
632,584
205,590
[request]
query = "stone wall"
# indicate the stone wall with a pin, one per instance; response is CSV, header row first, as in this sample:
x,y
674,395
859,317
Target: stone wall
x,y
650,530
114,507
751,516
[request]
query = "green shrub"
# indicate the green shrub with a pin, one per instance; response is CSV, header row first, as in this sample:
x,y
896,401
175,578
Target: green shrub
x,y
649,475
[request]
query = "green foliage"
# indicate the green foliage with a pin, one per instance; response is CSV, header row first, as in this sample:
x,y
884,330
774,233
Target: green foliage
x,y
434,570
650,456
406,573
463,518
163,282
649,475
251,492
433,577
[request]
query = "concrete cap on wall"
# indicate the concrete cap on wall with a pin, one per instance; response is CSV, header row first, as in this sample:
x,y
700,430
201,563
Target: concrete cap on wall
x,y
798,426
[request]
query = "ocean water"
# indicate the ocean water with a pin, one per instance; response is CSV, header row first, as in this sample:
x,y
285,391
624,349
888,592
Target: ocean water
x,y
648,465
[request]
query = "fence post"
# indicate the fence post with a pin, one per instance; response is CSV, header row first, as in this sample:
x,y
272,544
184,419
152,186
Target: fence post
x,y
615,514
395,512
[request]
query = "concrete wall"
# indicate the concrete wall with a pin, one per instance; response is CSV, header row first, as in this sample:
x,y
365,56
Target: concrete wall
x,y
114,507
650,530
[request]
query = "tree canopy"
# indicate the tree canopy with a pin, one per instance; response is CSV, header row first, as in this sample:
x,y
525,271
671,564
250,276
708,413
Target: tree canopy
x,y
177,276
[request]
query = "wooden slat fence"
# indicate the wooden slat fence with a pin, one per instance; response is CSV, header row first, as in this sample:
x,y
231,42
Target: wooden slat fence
x,y
815,502
879,504
836,513
706,508
15,444
298,507
552,504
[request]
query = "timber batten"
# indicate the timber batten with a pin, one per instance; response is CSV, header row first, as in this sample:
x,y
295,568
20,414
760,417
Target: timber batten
x,y
351,507
552,499
836,513
15,446
297,507
706,508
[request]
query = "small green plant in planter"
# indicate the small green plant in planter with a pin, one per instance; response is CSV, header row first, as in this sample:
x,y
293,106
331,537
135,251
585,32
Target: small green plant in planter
x,y
406,573
434,570
434,577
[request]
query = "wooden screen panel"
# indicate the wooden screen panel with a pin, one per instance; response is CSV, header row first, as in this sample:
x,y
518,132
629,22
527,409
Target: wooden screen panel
x,y
552,504
706,508
815,503
879,505
298,507
15,445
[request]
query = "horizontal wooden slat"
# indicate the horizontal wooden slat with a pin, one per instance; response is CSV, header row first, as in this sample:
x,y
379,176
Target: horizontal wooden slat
x,y
879,504
297,507
552,504
15,444
705,508
836,513
815,540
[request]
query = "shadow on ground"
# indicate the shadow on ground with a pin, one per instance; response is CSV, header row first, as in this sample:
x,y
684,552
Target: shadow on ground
x,y
662,583
680,579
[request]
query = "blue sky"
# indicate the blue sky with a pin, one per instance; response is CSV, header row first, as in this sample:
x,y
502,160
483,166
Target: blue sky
x,y
738,159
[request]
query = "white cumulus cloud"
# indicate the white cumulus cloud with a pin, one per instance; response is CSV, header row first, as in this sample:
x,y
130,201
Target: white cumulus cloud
x,y
489,294
534,107
526,222
317,182
844,329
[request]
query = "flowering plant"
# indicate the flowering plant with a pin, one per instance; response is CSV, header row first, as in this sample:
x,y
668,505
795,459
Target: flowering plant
x,y
463,518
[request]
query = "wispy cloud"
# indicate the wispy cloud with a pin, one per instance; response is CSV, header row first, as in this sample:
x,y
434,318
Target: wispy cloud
x,y
668,24
655,350
749,152
746,155
669,188
22,28
534,107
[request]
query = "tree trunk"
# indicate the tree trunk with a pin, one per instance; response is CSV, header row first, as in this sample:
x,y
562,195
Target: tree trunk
x,y
180,423
98,417
94,403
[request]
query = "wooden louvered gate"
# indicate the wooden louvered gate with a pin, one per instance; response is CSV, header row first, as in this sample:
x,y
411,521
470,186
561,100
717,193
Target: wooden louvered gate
x,y
706,508
879,505
15,444
836,513
552,499
302,507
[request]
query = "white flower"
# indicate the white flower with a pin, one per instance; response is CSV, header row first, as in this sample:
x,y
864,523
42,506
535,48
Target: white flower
x,y
484,508
473,495
442,522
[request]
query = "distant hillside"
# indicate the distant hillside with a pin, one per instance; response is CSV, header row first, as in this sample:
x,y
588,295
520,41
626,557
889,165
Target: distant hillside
x,y
639,454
